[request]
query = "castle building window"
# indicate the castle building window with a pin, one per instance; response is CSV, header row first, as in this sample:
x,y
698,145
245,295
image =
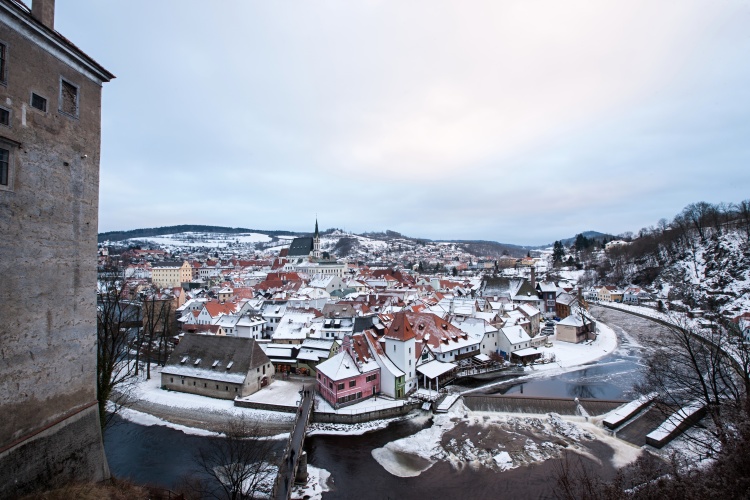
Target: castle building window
x,y
38,102
68,98
3,63
7,153
4,117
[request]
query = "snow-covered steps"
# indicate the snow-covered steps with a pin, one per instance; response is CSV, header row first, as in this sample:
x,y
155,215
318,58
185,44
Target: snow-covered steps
x,y
678,422
624,413
447,402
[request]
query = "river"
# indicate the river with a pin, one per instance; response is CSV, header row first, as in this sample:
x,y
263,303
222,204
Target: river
x,y
162,456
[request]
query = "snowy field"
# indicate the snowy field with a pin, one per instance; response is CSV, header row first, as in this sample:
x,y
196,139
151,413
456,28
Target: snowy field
x,y
195,239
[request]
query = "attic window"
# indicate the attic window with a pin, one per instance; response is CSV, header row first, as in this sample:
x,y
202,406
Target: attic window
x,y
215,364
421,326
229,365
445,327
184,360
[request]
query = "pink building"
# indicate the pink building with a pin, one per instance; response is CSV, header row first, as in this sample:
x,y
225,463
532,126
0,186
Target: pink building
x,y
350,376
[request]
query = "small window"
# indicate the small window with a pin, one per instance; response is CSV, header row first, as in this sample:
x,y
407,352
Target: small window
x,y
341,386
352,383
38,102
4,117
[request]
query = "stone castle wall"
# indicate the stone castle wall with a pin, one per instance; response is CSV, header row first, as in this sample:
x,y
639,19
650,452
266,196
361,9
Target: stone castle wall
x,y
48,223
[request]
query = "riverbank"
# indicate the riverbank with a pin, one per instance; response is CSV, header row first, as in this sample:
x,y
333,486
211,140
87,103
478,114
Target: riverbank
x,y
184,411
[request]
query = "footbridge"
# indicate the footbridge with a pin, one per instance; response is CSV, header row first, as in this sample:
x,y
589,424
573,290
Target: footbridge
x,y
293,463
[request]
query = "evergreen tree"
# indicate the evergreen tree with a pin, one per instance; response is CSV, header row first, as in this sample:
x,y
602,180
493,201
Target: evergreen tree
x,y
558,252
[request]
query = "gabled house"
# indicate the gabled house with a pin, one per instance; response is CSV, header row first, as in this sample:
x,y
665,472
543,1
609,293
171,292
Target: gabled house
x,y
513,339
217,366
565,304
350,376
548,293
576,328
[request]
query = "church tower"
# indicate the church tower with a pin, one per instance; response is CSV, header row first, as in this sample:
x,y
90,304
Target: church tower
x,y
316,241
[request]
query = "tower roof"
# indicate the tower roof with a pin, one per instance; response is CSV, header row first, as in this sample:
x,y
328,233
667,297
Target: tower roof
x,y
400,328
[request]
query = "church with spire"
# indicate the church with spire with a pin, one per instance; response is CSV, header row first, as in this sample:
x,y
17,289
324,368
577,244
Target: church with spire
x,y
306,247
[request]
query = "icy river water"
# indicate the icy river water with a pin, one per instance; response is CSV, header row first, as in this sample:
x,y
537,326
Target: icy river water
x,y
162,456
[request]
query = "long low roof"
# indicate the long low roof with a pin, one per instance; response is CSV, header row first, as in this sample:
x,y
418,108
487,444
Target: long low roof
x,y
435,368
526,352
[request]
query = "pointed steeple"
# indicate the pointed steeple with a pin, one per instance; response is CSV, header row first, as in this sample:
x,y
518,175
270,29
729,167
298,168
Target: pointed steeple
x,y
316,241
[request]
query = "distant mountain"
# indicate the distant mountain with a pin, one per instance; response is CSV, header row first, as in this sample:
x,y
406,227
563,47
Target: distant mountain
x,y
591,235
161,231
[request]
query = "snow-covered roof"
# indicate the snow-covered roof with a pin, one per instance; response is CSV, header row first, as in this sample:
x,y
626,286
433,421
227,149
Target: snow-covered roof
x,y
529,351
435,368
342,366
515,334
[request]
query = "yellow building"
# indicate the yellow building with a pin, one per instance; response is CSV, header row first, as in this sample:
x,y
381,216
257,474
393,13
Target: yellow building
x,y
170,274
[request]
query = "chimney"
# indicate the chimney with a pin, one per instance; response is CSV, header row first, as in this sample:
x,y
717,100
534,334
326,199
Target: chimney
x,y
533,276
44,12
346,345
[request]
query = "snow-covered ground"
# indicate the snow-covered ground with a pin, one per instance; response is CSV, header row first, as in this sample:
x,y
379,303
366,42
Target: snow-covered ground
x,y
568,355
147,420
148,393
317,484
196,239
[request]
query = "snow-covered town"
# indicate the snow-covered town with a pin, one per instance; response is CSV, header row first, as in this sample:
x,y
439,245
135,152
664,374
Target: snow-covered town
x,y
369,250
247,330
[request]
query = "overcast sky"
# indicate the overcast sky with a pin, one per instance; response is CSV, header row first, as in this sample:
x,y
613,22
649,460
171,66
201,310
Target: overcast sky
x,y
517,121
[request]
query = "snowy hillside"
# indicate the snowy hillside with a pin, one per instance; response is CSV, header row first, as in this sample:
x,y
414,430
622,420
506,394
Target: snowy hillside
x,y
713,274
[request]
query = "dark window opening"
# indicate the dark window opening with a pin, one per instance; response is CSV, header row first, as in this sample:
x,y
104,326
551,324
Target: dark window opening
x,y
3,59
38,102
4,117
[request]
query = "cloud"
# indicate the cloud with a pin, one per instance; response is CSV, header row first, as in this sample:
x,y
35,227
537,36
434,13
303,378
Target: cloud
x,y
516,118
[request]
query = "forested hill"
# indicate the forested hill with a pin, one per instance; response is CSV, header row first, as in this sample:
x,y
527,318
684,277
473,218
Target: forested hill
x,y
160,231
701,257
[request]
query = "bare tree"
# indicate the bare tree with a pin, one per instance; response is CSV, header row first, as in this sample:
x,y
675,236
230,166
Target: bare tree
x,y
157,326
239,465
710,366
118,320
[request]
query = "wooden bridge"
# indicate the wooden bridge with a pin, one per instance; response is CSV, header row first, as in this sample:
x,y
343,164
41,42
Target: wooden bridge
x,y
282,488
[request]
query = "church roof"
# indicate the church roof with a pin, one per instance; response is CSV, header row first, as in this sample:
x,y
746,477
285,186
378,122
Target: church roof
x,y
301,247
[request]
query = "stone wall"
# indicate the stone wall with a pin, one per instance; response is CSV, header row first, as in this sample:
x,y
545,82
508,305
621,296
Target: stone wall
x,y
356,418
